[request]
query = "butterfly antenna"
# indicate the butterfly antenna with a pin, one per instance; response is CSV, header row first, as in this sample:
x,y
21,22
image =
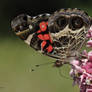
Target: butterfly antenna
x,y
44,64
63,76
39,65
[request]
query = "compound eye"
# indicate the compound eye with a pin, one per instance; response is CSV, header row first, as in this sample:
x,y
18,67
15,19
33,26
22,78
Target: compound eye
x,y
62,22
76,23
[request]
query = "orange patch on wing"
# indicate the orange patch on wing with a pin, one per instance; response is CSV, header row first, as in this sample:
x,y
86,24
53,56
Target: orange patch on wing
x,y
46,37
49,48
39,31
43,44
41,37
43,26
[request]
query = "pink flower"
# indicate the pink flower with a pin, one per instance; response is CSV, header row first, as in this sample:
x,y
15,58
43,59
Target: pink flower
x,y
90,56
75,62
85,53
88,67
89,35
89,90
81,72
89,43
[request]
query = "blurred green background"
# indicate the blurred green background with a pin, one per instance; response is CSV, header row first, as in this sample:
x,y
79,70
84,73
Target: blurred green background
x,y
16,58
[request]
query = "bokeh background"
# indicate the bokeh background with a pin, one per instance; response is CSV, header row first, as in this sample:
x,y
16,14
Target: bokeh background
x,y
16,58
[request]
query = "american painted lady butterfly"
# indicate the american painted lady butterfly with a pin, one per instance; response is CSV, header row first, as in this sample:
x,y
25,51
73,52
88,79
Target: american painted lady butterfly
x,y
60,35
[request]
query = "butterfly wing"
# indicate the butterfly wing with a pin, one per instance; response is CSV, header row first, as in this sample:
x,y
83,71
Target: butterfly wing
x,y
59,35
68,29
34,31
56,35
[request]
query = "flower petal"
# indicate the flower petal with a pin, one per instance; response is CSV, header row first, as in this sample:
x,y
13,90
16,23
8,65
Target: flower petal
x,y
90,56
89,43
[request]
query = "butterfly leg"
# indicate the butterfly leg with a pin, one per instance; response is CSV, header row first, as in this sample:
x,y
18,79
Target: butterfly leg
x,y
60,63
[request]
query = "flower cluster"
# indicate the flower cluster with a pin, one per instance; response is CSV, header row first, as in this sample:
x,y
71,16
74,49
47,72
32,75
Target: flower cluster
x,y
81,71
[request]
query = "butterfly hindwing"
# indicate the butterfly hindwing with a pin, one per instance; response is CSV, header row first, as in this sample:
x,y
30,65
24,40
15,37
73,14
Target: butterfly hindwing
x,y
60,35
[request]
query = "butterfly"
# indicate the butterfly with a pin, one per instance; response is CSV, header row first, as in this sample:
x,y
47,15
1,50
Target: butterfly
x,y
59,35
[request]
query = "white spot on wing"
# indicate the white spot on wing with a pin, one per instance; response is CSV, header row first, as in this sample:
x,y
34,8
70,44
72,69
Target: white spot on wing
x,y
47,14
40,15
34,17
30,27
28,40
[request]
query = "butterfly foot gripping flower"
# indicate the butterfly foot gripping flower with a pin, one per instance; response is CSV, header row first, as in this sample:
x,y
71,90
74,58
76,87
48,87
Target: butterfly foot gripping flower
x,y
81,71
